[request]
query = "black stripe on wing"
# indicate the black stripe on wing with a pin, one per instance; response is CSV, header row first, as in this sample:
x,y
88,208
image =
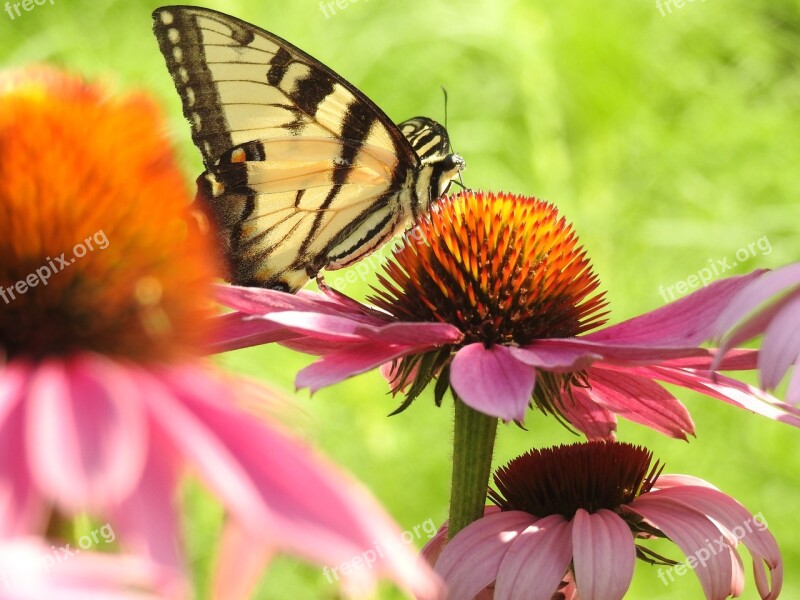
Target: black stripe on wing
x,y
307,93
180,40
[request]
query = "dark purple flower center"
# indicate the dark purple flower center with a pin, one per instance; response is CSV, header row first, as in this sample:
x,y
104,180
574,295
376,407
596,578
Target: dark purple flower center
x,y
562,479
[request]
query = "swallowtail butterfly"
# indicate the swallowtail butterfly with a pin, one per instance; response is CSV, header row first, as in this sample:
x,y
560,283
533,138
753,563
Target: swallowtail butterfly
x,y
303,171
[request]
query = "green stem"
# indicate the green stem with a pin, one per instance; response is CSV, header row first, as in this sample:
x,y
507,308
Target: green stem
x,y
473,442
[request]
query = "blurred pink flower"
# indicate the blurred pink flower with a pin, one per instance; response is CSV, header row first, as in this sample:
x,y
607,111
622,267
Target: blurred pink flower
x,y
504,334
768,306
30,569
574,513
104,400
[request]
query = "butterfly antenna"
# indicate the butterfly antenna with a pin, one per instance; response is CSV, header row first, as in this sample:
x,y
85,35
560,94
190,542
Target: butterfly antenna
x,y
444,92
449,143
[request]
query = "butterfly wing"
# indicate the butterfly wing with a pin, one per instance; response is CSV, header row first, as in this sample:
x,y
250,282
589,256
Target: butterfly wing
x,y
303,171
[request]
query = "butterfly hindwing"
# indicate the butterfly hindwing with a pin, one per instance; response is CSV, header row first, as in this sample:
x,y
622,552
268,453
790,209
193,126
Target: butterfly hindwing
x,y
303,172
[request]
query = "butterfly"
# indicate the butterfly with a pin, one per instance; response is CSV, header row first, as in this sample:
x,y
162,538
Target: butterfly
x,y
303,172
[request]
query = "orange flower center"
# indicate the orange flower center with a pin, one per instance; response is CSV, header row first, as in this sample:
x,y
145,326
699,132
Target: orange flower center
x,y
504,269
98,247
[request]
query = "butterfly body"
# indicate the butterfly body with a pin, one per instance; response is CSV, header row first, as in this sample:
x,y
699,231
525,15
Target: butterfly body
x,y
303,172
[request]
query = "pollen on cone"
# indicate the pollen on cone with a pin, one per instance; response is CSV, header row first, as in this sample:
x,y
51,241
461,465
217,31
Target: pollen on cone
x,y
504,269
99,250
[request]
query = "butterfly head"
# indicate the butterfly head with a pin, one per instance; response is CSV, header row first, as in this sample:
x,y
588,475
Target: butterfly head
x,y
451,168
442,171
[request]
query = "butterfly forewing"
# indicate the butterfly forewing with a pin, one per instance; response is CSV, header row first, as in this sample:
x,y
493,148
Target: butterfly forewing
x,y
303,172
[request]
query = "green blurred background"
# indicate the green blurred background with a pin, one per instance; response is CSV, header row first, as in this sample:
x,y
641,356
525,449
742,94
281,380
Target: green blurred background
x,y
670,137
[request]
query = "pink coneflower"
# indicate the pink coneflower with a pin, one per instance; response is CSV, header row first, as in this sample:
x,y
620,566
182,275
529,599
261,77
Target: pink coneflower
x,y
575,515
770,306
104,400
498,304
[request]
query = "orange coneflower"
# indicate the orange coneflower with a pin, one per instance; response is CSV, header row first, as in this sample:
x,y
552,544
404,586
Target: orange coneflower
x,y
104,400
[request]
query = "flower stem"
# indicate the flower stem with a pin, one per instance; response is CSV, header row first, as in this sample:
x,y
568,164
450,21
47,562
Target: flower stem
x,y
473,442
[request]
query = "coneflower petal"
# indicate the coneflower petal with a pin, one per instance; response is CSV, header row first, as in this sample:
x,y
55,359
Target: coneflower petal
x,y
691,532
537,561
471,561
781,346
87,437
604,555
492,381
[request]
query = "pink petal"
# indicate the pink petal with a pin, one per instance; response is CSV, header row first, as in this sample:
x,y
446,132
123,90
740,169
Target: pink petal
x,y
492,381
420,335
745,527
87,437
674,480
640,400
472,559
781,346
563,355
22,509
433,548
321,326
147,522
338,366
535,564
260,301
793,389
560,357
240,564
287,497
738,359
604,555
692,532
726,389
754,296
343,329
587,416
686,322
748,330
14,378
88,576
241,330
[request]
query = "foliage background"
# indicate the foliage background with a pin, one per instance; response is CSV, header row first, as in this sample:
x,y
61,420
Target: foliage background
x,y
670,140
